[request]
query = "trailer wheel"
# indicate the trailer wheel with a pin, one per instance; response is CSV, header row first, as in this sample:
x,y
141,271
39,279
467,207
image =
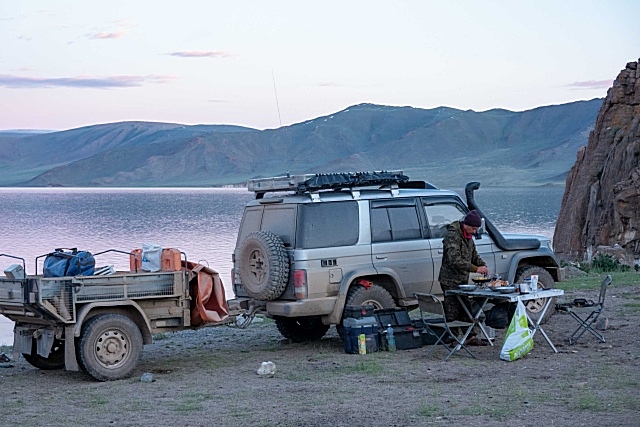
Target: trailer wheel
x,y
54,361
263,266
109,347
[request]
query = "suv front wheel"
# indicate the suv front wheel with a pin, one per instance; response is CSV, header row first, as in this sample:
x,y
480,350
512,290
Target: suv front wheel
x,y
545,281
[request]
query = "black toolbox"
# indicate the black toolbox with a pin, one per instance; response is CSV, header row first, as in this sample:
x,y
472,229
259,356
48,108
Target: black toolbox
x,y
358,311
428,337
405,334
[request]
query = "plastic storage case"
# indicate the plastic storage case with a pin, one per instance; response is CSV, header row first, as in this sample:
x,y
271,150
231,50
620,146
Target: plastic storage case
x,y
354,327
406,335
392,316
358,311
428,337
16,271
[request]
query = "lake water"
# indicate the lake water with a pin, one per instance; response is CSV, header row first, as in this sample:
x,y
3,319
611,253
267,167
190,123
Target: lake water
x,y
200,222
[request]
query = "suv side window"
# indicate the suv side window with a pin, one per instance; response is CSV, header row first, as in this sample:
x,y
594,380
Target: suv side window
x,y
394,220
440,215
322,225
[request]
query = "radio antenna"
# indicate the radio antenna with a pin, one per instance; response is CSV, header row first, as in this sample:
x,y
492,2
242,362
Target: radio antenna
x,y
276,92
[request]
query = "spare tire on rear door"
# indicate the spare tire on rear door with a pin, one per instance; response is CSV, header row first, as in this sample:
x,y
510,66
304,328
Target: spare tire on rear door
x,y
263,265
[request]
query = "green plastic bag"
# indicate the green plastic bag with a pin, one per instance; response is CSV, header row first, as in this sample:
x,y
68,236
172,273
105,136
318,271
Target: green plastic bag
x,y
518,341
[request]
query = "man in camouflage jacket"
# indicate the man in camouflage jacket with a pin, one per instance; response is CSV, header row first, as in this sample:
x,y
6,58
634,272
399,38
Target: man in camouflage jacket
x,y
460,258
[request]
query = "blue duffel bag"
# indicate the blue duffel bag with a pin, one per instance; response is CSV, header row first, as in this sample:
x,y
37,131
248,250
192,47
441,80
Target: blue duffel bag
x,y
73,263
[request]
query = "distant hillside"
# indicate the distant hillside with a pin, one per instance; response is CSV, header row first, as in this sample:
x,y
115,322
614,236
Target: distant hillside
x,y
445,146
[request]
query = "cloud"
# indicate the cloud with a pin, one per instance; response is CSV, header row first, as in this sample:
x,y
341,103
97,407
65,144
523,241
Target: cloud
x,y
591,84
217,100
329,84
103,35
201,54
18,82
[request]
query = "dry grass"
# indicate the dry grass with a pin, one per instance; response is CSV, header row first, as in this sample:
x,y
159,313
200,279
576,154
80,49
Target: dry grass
x,y
209,377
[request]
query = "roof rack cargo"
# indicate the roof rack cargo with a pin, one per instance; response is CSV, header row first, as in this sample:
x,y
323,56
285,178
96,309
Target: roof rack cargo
x,y
330,181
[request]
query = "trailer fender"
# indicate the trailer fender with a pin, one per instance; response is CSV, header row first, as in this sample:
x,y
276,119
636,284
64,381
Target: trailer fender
x,y
127,308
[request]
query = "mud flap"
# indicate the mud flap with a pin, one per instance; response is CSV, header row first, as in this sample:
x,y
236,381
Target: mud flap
x,y
22,341
44,341
70,362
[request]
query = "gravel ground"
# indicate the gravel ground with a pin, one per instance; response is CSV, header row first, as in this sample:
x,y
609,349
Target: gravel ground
x,y
208,377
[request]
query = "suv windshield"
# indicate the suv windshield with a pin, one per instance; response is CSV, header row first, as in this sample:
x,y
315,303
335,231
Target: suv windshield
x,y
322,225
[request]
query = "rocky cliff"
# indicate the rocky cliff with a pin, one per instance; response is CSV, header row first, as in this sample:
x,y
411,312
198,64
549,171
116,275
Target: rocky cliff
x,y
601,203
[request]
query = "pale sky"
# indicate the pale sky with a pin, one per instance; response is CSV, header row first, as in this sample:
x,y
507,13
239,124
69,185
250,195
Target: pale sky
x,y
67,64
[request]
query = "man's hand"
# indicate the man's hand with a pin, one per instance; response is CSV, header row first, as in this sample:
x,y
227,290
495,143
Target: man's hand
x,y
483,270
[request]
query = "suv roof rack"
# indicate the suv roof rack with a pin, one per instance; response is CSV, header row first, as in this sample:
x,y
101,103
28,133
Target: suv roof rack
x,y
330,181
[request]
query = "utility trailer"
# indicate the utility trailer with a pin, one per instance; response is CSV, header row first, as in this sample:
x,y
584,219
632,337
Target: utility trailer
x,y
99,324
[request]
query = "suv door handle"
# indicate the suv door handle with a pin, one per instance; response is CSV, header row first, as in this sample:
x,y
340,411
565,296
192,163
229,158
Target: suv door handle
x,y
440,251
381,257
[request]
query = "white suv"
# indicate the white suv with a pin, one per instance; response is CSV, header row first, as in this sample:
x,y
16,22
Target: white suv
x,y
321,242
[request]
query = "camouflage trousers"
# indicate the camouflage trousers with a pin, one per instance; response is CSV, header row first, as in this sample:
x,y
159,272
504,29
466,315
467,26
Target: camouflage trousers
x,y
453,310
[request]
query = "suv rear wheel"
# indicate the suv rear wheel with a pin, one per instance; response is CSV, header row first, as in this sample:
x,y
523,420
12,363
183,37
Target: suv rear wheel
x,y
545,281
375,295
301,329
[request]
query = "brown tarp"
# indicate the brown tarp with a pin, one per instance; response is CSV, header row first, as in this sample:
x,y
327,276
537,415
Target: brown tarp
x,y
208,300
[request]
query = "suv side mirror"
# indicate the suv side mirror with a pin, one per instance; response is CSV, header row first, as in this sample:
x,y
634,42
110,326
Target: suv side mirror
x,y
480,230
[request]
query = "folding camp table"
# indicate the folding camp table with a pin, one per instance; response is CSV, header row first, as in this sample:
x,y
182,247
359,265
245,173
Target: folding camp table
x,y
483,296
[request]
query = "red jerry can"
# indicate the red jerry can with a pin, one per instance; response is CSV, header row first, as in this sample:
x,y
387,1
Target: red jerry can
x,y
135,260
170,260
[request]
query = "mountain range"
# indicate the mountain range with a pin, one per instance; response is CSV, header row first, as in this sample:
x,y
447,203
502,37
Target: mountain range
x,y
445,146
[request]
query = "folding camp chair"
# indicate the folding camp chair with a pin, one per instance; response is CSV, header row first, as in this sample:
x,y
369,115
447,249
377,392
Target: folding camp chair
x,y
434,320
587,316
